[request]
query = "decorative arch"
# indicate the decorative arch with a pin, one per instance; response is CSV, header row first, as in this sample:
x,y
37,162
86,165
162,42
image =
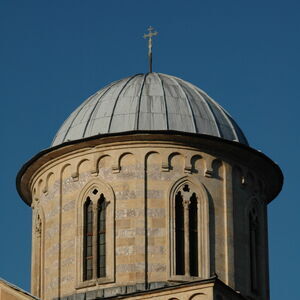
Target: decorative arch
x,y
172,160
66,171
75,175
98,161
95,234
119,160
198,296
197,163
152,160
40,188
189,229
49,181
216,166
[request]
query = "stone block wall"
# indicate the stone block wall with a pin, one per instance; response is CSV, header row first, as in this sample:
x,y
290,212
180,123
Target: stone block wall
x,y
137,179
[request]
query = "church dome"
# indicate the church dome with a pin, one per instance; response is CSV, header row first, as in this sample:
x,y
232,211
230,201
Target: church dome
x,y
149,102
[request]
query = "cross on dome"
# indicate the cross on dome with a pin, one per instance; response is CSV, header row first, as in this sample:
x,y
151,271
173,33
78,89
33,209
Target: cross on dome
x,y
149,36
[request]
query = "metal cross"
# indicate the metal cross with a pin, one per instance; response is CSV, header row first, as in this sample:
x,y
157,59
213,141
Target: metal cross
x,y
150,35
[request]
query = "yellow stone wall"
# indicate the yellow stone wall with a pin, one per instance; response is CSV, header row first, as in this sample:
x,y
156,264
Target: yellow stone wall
x,y
139,176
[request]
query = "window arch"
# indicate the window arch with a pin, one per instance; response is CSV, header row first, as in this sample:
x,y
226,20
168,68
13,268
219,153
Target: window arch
x,y
95,219
189,219
94,239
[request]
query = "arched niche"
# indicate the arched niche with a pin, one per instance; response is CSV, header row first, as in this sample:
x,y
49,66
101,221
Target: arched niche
x,y
176,161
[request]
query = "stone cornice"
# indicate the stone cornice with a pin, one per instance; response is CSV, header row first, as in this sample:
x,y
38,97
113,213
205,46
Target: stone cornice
x,y
225,149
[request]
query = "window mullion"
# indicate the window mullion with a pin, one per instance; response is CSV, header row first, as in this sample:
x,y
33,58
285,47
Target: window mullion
x,y
186,203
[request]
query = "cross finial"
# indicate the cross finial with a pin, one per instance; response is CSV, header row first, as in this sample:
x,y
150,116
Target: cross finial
x,y
150,35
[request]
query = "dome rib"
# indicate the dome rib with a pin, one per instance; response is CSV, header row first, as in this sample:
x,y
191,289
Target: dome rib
x,y
165,100
116,101
225,115
227,119
78,112
97,103
149,102
188,104
217,125
139,102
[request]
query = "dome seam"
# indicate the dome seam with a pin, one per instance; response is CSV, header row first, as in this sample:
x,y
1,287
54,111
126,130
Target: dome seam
x,y
98,101
116,101
165,100
188,104
139,102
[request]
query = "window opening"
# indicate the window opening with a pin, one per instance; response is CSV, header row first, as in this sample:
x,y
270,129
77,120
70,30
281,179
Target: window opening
x,y
88,240
101,245
193,235
179,234
186,188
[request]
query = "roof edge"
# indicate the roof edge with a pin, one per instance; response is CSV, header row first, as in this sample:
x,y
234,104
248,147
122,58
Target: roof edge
x,y
18,289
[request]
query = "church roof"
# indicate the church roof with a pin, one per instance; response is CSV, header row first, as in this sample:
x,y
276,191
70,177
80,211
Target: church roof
x,y
13,291
149,102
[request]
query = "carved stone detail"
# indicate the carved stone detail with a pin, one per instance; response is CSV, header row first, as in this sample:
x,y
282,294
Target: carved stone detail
x,y
38,225
75,176
209,173
116,168
165,166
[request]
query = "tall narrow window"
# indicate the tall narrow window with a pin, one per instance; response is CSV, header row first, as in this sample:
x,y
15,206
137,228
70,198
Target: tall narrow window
x,y
101,231
189,218
193,235
253,236
179,234
96,260
88,240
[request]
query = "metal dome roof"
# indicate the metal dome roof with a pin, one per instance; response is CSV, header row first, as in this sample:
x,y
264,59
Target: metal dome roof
x,y
151,101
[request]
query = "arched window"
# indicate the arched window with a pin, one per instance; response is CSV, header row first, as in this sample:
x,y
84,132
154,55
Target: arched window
x,y
190,215
253,244
88,240
94,241
95,251
186,236
101,244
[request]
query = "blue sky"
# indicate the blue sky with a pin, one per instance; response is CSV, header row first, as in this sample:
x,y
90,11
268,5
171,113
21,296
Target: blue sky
x,y
244,54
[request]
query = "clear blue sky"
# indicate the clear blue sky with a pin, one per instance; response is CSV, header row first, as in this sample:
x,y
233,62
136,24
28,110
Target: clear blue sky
x,y
245,54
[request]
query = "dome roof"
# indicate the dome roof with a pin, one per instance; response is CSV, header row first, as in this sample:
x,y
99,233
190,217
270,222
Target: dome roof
x,y
151,101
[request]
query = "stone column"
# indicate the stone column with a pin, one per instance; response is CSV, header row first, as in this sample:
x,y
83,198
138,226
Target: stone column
x,y
95,236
